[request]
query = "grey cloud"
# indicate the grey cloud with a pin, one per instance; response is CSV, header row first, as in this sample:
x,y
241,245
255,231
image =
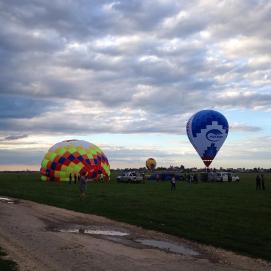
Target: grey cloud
x,y
42,15
137,157
187,27
144,75
163,112
18,107
39,74
254,14
173,101
243,100
104,122
19,40
119,154
123,153
80,19
14,137
145,14
24,156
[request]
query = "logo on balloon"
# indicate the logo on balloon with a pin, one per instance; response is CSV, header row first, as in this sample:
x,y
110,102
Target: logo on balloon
x,y
214,135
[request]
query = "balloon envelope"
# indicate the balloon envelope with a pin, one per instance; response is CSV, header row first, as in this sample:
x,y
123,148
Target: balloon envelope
x,y
150,163
207,130
73,157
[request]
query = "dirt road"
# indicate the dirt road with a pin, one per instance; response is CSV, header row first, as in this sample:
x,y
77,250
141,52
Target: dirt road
x,y
41,237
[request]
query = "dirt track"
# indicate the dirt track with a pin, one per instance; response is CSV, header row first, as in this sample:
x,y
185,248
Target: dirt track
x,y
29,232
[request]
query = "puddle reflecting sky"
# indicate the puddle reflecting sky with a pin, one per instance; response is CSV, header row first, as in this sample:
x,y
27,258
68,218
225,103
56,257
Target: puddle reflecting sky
x,y
8,200
110,233
180,249
116,237
95,232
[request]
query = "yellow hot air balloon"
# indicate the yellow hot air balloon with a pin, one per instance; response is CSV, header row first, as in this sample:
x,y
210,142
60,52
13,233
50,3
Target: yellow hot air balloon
x,y
151,164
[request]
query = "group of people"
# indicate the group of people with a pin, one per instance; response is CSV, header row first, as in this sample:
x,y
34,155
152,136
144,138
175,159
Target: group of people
x,y
191,178
260,185
75,178
260,182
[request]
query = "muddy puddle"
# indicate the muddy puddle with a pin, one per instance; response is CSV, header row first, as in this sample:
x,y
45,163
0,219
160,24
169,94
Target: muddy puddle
x,y
125,238
168,246
95,232
6,200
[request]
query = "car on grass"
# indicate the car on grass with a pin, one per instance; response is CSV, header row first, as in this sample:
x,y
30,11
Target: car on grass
x,y
219,177
130,177
226,177
165,176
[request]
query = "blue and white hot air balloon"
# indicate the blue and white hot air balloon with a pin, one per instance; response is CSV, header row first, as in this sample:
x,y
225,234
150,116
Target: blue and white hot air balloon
x,y
207,130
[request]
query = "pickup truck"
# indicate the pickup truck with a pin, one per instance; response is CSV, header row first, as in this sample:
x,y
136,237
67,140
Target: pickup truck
x,y
130,177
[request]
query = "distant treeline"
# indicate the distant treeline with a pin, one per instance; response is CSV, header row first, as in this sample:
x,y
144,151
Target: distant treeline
x,y
194,169
179,169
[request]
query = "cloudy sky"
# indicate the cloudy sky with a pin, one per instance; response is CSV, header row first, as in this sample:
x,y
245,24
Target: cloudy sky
x,y
127,75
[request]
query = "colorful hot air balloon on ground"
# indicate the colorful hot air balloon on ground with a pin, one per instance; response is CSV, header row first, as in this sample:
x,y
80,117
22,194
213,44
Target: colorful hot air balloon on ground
x,y
151,164
207,130
74,157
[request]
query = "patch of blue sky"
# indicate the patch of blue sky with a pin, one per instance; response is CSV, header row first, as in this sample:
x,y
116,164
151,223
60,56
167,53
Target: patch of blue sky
x,y
251,118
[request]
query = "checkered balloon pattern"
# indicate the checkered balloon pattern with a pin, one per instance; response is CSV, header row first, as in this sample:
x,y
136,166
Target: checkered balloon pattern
x,y
72,157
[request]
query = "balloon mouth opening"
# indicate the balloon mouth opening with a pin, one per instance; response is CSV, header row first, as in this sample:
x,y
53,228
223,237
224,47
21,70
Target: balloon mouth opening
x,y
207,162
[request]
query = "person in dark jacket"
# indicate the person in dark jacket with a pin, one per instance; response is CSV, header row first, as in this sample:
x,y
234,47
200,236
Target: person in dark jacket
x,y
173,183
75,178
258,182
82,186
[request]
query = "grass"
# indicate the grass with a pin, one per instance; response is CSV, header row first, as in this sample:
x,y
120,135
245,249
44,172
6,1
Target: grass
x,y
228,215
6,265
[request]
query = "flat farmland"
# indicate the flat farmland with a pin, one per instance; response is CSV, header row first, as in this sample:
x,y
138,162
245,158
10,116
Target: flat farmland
x,y
232,215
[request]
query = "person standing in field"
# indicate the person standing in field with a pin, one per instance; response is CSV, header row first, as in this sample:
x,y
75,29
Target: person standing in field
x,y
70,178
82,186
262,182
173,183
106,178
258,182
196,178
75,178
98,178
191,178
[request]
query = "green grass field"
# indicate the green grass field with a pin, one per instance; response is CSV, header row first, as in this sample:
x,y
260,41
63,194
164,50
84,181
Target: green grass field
x,y
229,215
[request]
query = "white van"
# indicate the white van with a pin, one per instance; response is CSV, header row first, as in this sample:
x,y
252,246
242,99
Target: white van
x,y
130,177
226,177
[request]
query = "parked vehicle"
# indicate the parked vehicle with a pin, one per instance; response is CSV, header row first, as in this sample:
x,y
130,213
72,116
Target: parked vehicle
x,y
233,177
219,177
226,177
130,177
165,176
